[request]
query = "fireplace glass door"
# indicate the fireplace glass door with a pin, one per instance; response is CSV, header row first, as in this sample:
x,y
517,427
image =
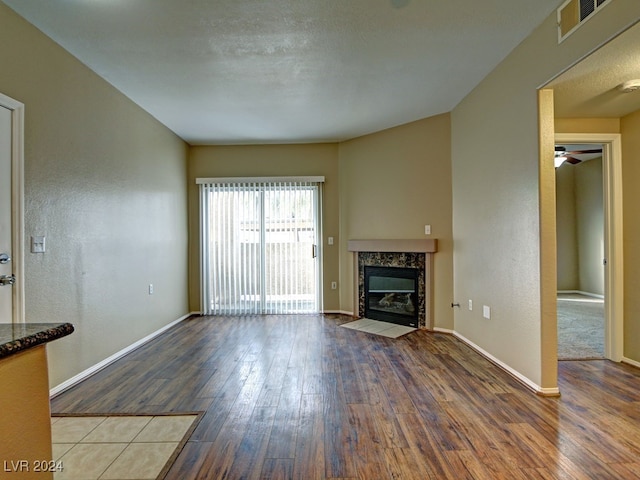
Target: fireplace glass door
x,y
391,294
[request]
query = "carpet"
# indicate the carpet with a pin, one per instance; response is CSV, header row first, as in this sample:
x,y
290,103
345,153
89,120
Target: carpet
x,y
580,327
375,327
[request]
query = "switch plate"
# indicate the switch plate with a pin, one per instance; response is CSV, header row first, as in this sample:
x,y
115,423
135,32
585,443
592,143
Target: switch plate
x,y
427,229
330,240
38,244
151,289
486,311
334,285
470,304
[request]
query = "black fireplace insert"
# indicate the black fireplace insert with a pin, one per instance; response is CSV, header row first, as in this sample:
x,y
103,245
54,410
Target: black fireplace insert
x,y
391,294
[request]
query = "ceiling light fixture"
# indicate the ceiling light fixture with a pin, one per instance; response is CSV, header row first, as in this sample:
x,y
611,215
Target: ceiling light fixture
x,y
629,86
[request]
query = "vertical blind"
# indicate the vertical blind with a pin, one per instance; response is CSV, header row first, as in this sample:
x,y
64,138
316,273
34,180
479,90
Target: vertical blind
x,y
259,246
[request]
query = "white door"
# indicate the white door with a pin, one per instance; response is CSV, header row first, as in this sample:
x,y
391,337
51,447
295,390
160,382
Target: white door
x,y
6,253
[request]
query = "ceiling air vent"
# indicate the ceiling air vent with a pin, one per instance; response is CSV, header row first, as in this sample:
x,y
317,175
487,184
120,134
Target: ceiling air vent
x,y
574,13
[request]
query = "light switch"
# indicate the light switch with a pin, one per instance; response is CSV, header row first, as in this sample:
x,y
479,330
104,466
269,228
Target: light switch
x,y
427,229
38,244
486,311
330,240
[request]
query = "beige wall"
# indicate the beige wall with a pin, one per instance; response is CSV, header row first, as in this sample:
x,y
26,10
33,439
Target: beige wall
x,y
580,227
392,184
264,161
106,184
587,125
590,215
497,196
567,232
630,129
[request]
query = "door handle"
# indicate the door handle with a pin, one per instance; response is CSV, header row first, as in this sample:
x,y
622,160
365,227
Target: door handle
x,y
7,280
4,258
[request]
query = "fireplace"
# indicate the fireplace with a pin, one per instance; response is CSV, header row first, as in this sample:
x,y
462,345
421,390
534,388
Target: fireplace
x,y
391,295
397,256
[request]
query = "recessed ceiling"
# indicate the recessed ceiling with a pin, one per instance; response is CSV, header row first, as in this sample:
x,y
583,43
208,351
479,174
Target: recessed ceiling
x,y
590,88
282,71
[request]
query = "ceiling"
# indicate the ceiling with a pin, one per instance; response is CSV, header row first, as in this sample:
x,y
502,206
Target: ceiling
x,y
590,88
288,71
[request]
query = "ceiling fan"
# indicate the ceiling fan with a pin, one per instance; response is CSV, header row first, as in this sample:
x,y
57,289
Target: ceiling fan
x,y
562,155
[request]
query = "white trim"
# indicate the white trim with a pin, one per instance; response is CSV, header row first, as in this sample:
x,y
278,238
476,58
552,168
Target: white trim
x,y
613,234
580,292
17,203
338,312
526,381
58,389
319,222
444,330
633,363
316,179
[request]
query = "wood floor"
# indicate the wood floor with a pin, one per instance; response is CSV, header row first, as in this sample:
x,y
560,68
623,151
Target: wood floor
x,y
301,397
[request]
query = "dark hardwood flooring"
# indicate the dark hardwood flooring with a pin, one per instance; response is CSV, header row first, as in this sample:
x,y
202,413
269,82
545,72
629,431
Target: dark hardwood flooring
x,y
300,397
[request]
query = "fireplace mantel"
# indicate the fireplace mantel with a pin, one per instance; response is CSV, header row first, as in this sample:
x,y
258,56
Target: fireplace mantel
x,y
426,246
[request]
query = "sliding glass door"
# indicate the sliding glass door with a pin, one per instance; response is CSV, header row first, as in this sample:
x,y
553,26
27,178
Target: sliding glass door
x,y
259,247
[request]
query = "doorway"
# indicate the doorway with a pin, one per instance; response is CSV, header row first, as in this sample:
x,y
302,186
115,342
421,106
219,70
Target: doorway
x,y
260,247
11,211
580,247
589,247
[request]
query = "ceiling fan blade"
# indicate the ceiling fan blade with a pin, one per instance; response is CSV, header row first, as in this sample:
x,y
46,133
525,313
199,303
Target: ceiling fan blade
x,y
584,152
573,160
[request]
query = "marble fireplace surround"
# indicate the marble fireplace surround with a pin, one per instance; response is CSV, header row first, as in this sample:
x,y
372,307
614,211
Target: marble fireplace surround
x,y
397,253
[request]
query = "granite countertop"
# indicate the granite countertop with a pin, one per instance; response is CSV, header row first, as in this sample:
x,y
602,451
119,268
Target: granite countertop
x,y
18,337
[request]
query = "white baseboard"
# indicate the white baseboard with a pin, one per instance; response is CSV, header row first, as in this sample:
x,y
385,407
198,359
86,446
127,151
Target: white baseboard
x,y
443,330
339,312
631,362
521,378
580,292
58,389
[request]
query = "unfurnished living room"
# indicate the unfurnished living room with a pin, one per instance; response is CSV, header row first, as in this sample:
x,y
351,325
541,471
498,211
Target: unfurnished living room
x,y
364,239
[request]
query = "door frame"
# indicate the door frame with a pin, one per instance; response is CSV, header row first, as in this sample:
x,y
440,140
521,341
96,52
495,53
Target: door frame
x,y
613,239
17,203
318,216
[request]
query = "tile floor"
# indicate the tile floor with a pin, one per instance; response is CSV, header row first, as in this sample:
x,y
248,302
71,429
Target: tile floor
x,y
376,327
116,447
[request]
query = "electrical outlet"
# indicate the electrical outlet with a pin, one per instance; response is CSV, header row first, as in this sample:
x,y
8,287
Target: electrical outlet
x,y
151,289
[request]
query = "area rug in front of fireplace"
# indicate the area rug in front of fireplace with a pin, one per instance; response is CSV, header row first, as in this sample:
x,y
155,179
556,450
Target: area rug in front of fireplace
x,y
376,327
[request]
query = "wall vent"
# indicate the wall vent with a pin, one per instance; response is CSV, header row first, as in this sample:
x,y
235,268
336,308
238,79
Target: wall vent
x,y
574,13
